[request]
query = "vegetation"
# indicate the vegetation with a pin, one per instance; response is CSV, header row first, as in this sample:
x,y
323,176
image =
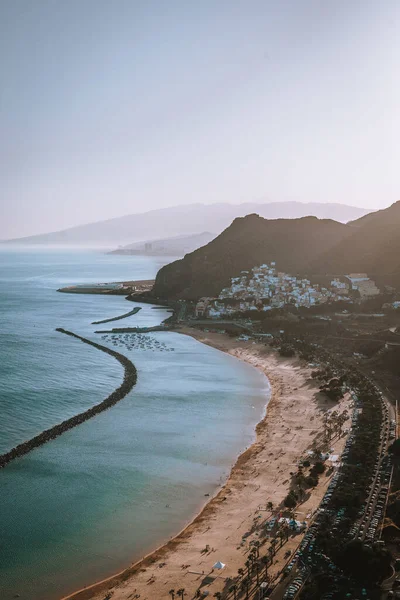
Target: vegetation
x,y
333,389
311,481
318,468
291,499
338,561
287,350
364,562
395,448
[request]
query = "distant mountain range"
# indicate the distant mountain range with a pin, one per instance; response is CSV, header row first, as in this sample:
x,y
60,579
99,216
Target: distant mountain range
x,y
175,246
184,220
307,246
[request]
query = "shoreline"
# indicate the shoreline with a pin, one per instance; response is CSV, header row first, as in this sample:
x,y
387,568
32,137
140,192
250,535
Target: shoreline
x,y
176,548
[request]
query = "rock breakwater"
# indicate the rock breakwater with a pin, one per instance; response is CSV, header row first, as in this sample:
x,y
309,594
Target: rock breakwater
x,y
124,316
130,378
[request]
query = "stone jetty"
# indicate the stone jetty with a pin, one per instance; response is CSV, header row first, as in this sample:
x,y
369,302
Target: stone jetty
x,y
124,316
130,378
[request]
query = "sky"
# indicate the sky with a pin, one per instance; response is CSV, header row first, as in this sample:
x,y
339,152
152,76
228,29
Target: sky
x,y
116,107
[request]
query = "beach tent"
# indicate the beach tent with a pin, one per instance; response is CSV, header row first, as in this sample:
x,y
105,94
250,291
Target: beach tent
x,y
219,565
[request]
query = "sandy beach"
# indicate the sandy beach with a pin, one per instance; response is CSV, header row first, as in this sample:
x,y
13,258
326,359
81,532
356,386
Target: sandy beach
x,y
230,521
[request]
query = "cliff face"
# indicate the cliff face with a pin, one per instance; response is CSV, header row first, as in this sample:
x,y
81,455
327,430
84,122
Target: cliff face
x,y
293,243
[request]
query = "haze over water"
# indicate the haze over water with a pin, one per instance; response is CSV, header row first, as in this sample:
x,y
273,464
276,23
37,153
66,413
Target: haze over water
x,y
101,495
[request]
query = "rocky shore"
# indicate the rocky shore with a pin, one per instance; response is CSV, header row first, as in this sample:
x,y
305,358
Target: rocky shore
x,y
130,377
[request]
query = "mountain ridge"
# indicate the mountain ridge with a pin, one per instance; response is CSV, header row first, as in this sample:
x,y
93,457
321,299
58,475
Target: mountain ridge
x,y
247,242
311,247
183,220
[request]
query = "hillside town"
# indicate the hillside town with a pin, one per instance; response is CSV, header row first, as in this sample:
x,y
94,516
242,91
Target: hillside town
x,y
264,288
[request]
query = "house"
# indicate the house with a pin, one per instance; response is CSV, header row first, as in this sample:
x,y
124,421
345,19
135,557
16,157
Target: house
x,y
363,284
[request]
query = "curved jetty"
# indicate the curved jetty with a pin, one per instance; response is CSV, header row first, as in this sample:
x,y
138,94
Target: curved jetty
x,y
130,377
128,314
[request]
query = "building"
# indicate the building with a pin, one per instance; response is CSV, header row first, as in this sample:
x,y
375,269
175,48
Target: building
x,y
264,288
363,284
202,306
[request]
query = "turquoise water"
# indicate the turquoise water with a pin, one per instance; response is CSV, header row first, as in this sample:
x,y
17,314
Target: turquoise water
x,y
90,502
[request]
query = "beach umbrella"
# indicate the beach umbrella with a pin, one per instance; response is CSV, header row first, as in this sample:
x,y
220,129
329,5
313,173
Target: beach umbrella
x,y
219,565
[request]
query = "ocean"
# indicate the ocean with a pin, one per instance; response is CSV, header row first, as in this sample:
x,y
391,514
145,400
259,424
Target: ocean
x,y
94,500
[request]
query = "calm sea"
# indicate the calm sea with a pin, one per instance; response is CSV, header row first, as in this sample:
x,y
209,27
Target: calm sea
x,y
90,502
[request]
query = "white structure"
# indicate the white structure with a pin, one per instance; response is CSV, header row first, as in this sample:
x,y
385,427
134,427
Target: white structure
x,y
363,284
293,524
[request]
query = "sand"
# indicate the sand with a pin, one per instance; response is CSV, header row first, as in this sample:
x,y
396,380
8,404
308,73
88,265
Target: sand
x,y
231,520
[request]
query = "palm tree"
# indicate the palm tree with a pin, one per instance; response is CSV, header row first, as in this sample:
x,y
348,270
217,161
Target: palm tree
x,y
240,572
257,572
232,590
253,556
265,561
245,586
286,532
257,545
270,506
271,553
280,535
172,594
181,592
274,543
218,595
248,564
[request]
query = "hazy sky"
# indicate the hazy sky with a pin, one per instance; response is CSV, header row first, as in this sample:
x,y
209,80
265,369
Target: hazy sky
x,y
109,107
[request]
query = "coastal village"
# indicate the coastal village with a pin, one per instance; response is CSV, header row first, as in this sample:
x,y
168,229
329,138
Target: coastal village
x,y
200,301
264,288
321,416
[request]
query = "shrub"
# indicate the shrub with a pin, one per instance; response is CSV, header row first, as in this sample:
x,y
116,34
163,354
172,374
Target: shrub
x,y
287,350
311,481
318,468
291,500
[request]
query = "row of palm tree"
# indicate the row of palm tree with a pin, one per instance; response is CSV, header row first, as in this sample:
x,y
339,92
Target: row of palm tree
x,y
349,497
333,424
179,593
256,566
